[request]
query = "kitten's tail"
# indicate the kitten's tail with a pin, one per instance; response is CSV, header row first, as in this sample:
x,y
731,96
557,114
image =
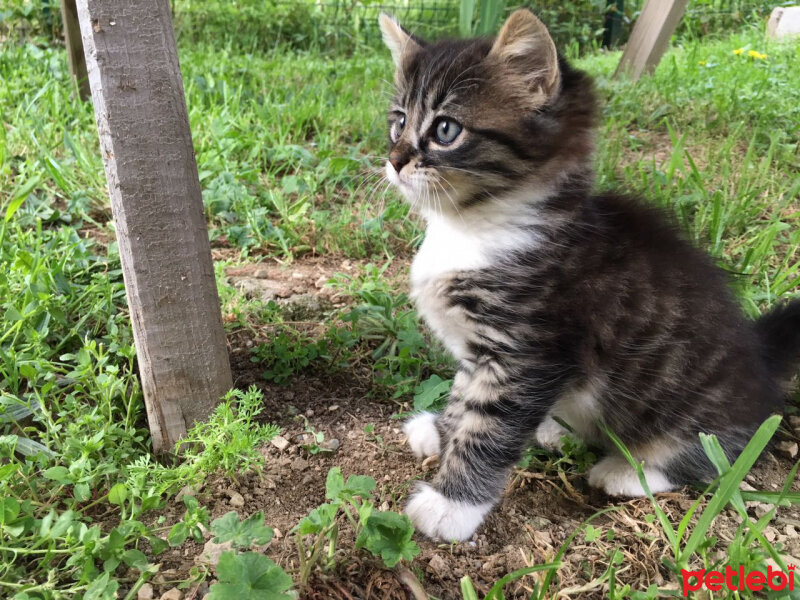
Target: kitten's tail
x,y
779,329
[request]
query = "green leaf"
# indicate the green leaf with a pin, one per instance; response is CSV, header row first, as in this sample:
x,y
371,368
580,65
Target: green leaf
x,y
249,576
59,474
318,519
117,494
388,535
334,483
135,558
9,510
431,392
178,534
82,492
102,588
243,534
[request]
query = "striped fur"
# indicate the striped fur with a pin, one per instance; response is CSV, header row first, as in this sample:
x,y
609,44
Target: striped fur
x,y
557,302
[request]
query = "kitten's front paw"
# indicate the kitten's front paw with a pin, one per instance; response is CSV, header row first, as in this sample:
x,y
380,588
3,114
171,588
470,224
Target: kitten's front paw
x,y
549,434
443,519
423,437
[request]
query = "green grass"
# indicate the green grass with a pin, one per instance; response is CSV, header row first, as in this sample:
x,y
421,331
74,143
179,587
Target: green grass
x,y
288,144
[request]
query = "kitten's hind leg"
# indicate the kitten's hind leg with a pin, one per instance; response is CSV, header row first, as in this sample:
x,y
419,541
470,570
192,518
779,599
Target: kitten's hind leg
x,y
423,436
616,477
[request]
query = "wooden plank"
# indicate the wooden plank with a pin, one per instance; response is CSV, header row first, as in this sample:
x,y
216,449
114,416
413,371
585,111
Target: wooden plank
x,y
156,201
72,38
650,37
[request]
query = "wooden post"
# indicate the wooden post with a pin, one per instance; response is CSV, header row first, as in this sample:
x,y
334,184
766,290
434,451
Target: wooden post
x,y
72,39
650,36
156,201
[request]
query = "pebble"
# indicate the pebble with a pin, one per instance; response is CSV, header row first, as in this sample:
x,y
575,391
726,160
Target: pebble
x,y
437,564
211,553
787,449
280,442
770,533
333,407
310,412
237,500
299,464
145,592
173,594
331,444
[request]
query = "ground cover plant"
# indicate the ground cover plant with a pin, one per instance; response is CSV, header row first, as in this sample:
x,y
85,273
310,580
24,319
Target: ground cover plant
x,y
311,255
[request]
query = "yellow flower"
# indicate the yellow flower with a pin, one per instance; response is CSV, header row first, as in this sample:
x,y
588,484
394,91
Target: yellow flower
x,y
702,63
738,51
757,55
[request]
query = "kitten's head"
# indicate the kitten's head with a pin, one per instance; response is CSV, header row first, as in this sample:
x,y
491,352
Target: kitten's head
x,y
483,122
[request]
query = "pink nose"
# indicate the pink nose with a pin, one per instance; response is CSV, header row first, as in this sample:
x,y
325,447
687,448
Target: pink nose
x,y
398,160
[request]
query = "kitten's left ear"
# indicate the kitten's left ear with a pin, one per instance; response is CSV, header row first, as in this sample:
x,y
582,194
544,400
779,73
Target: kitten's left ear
x,y
399,41
526,46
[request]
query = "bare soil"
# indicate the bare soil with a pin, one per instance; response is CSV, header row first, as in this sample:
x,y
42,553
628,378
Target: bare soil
x,y
537,514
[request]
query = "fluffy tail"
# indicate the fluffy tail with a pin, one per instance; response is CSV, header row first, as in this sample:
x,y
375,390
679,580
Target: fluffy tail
x,y
779,329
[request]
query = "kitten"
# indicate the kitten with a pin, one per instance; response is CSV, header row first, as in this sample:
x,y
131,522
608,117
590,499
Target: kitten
x,y
557,302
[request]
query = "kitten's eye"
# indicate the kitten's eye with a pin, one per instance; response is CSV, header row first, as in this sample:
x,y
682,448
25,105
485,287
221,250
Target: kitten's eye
x,y
397,127
447,130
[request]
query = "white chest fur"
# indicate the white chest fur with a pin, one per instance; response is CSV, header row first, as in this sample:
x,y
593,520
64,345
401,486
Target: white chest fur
x,y
452,247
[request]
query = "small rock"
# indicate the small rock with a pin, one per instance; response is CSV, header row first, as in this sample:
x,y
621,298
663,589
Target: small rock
x,y
437,564
278,534
770,533
332,445
145,592
542,538
299,464
761,509
794,422
310,412
385,506
784,22
430,462
308,478
237,500
333,407
173,594
187,490
211,553
786,448
280,442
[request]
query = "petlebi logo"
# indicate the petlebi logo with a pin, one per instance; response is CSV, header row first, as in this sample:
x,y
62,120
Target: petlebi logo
x,y
738,580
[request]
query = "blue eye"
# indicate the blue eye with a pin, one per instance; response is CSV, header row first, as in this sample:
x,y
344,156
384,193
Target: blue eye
x,y
397,127
447,130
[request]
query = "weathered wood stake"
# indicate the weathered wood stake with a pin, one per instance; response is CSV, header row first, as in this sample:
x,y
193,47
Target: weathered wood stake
x,y
72,38
650,36
156,201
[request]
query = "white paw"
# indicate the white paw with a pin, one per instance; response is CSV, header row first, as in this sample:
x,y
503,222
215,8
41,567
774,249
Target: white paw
x,y
423,437
443,519
548,434
616,477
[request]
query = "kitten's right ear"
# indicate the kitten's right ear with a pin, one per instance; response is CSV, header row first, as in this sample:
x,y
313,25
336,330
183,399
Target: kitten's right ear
x,y
525,45
399,41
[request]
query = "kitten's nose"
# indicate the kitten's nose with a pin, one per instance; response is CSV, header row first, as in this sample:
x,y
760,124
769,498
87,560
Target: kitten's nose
x,y
398,160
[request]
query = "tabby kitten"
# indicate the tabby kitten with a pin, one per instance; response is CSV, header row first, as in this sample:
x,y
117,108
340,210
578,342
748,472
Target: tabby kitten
x,y
557,303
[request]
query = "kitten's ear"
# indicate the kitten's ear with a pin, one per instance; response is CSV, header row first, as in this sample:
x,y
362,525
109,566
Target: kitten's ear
x,y
399,41
526,46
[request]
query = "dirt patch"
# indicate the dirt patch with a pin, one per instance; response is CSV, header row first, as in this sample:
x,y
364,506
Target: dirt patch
x,y
538,513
